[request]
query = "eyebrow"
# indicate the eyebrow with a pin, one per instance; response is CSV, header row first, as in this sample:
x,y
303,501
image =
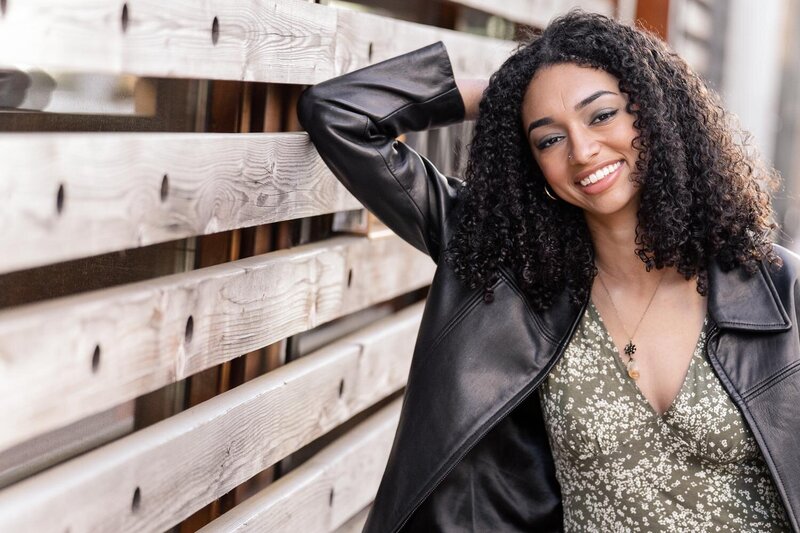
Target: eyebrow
x,y
580,105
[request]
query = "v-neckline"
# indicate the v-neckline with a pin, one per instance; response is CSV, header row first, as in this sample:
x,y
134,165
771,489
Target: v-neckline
x,y
615,355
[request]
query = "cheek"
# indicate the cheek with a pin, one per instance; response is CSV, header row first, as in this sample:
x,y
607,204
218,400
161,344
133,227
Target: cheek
x,y
554,172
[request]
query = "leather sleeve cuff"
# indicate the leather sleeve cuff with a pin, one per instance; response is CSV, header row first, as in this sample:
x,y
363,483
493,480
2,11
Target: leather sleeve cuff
x,y
411,92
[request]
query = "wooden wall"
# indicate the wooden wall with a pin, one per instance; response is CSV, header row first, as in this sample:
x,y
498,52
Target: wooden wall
x,y
199,327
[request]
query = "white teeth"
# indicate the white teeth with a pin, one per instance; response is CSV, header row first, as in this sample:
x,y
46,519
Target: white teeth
x,y
600,174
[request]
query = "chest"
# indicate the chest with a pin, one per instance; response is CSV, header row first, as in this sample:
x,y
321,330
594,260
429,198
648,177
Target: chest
x,y
612,450
596,410
658,346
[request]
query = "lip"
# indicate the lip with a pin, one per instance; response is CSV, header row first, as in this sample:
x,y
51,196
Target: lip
x,y
589,171
603,184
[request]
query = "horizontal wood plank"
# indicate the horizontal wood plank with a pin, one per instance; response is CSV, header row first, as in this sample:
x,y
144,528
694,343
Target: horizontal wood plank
x,y
364,38
156,477
69,358
537,13
69,196
325,492
279,41
282,41
355,524
30,458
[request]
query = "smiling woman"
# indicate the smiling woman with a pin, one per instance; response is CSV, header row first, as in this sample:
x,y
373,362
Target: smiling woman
x,y
610,342
583,144
701,194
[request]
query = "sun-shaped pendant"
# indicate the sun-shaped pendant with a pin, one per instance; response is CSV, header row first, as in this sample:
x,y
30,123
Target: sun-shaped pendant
x,y
630,348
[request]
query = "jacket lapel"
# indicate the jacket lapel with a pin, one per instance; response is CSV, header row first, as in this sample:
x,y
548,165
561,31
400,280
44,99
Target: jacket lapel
x,y
741,302
461,386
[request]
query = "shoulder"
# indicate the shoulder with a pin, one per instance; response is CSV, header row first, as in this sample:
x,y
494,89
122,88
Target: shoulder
x,y
785,278
791,261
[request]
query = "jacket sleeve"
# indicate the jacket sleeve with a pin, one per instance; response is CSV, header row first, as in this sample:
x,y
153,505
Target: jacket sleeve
x,y
353,121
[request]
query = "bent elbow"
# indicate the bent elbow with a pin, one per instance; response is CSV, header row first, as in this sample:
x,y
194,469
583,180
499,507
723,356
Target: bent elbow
x,y
307,105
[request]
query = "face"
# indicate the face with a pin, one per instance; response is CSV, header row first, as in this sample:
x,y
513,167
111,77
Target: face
x,y
581,136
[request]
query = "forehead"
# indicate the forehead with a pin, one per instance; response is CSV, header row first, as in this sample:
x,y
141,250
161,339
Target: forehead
x,y
559,87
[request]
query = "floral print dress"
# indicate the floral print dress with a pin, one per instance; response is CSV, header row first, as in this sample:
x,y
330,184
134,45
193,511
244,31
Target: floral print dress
x,y
623,467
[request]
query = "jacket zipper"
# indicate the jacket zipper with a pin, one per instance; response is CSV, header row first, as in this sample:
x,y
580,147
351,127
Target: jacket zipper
x,y
736,398
510,406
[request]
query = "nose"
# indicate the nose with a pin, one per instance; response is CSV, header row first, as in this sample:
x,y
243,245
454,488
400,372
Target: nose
x,y
584,146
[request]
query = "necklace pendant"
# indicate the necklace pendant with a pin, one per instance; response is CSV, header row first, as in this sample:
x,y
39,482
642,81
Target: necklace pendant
x,y
630,348
633,369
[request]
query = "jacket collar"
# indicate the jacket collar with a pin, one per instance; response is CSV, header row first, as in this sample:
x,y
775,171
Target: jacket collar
x,y
742,302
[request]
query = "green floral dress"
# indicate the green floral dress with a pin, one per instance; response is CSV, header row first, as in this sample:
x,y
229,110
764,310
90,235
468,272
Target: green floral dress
x,y
624,467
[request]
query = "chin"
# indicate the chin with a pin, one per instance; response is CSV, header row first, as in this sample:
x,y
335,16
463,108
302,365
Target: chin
x,y
610,206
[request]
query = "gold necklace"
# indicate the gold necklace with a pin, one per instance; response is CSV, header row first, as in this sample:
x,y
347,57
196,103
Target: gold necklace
x,y
630,348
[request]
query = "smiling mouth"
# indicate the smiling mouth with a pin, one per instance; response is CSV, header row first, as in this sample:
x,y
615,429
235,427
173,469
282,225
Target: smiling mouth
x,y
600,174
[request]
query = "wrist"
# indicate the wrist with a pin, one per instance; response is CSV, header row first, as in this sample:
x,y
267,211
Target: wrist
x,y
471,93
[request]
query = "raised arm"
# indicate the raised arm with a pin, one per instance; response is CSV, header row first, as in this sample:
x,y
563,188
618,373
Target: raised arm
x,y
353,121
471,92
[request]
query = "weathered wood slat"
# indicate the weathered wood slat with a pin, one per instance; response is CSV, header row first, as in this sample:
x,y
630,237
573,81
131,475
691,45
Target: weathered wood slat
x,y
27,459
537,12
280,41
154,478
128,190
356,523
69,358
324,492
364,38
283,41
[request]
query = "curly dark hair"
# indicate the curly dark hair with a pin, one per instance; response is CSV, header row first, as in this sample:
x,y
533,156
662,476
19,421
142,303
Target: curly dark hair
x,y
704,193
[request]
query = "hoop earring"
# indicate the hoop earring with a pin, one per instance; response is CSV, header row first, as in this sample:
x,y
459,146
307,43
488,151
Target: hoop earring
x,y
549,194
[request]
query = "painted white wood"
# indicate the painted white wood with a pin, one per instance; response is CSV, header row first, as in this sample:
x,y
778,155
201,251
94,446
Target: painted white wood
x,y
50,376
324,492
181,464
281,41
121,191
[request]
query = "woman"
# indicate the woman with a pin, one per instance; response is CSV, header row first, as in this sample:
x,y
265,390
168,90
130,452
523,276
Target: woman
x,y
610,341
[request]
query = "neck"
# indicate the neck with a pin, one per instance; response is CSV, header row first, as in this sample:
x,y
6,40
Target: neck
x,y
614,240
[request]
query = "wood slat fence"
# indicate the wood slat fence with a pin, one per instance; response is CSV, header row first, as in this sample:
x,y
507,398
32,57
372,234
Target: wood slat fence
x,y
255,386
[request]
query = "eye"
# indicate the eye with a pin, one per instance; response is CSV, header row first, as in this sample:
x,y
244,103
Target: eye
x,y
604,116
548,141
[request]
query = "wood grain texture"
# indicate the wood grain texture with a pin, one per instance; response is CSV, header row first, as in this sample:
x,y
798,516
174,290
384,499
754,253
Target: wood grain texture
x,y
186,461
326,491
115,195
37,455
364,38
537,13
69,358
280,41
257,40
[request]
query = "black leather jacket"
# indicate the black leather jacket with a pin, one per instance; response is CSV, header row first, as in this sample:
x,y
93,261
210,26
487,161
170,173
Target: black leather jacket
x,y
471,452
